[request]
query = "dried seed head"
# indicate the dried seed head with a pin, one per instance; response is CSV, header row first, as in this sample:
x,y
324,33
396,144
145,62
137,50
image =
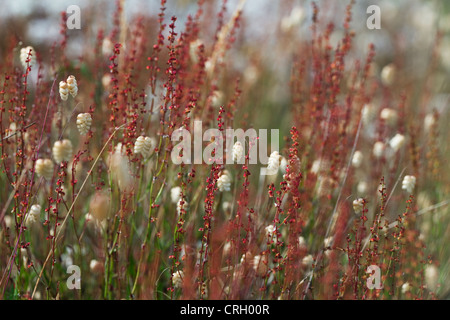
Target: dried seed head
x,y
358,205
63,90
62,151
99,206
72,85
44,168
84,121
408,184
33,215
25,54
238,152
144,146
224,181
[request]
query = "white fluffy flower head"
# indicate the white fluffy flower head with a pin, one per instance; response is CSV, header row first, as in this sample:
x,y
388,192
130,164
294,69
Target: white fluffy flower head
x,y
25,54
224,181
408,184
44,168
144,145
62,150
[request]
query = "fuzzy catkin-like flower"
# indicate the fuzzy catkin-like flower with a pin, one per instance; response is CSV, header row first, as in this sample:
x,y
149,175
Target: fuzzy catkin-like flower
x,y
358,205
27,53
84,121
224,181
408,184
144,146
238,152
62,150
63,90
397,142
72,85
33,215
44,168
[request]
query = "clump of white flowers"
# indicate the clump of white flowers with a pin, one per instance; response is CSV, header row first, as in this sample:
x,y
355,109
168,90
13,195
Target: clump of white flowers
x,y
408,184
29,54
33,215
357,159
62,150
177,278
84,121
274,162
144,145
238,152
397,142
44,168
358,205
224,181
69,86
175,194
